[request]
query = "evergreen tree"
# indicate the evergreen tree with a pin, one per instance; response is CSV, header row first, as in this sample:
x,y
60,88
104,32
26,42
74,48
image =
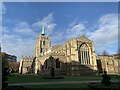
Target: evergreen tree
x,y
5,68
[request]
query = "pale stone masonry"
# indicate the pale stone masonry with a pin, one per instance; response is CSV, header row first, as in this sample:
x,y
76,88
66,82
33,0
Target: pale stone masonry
x,y
108,63
75,57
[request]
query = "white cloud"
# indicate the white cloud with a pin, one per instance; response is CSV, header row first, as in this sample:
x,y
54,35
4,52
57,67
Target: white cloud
x,y
75,31
57,38
20,39
105,36
73,22
5,30
48,19
24,29
14,44
107,33
48,24
2,12
17,43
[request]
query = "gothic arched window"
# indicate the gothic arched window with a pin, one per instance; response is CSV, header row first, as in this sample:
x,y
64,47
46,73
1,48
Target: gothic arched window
x,y
84,54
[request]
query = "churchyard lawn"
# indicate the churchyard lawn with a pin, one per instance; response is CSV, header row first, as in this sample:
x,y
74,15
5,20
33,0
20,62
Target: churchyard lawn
x,y
19,78
59,83
81,85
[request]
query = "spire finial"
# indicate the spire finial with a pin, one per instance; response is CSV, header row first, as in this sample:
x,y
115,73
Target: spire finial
x,y
43,29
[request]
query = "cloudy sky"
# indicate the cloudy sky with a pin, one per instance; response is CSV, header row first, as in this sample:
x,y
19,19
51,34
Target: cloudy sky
x,y
21,25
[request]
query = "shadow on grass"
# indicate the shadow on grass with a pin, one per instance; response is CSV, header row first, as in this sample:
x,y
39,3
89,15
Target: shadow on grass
x,y
14,88
43,88
100,86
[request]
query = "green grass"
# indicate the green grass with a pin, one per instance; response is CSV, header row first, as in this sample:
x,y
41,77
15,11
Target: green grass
x,y
38,78
58,86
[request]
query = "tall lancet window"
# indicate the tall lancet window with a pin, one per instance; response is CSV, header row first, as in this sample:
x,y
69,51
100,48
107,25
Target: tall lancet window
x,y
40,46
40,43
40,50
84,54
43,43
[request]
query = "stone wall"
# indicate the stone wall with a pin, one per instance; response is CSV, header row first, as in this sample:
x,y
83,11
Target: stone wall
x,y
109,63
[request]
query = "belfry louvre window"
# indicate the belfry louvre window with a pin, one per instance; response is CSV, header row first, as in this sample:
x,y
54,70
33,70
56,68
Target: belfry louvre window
x,y
40,50
44,43
57,63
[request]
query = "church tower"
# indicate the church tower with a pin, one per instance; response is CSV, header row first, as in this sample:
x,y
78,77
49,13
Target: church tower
x,y
42,44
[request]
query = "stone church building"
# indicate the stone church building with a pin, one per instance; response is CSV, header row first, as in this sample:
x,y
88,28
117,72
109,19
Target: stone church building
x,y
75,57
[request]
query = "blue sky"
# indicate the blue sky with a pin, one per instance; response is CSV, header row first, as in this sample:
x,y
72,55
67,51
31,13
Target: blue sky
x,y
22,23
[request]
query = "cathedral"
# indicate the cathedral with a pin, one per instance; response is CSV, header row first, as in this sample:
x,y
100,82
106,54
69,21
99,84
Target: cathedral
x,y
75,57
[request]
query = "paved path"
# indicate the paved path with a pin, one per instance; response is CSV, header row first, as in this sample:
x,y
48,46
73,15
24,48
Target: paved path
x,y
59,82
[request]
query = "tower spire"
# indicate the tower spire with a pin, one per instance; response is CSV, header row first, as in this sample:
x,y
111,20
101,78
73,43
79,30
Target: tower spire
x,y
43,29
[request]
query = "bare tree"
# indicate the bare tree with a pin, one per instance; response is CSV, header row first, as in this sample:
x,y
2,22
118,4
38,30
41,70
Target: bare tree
x,y
118,52
105,53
